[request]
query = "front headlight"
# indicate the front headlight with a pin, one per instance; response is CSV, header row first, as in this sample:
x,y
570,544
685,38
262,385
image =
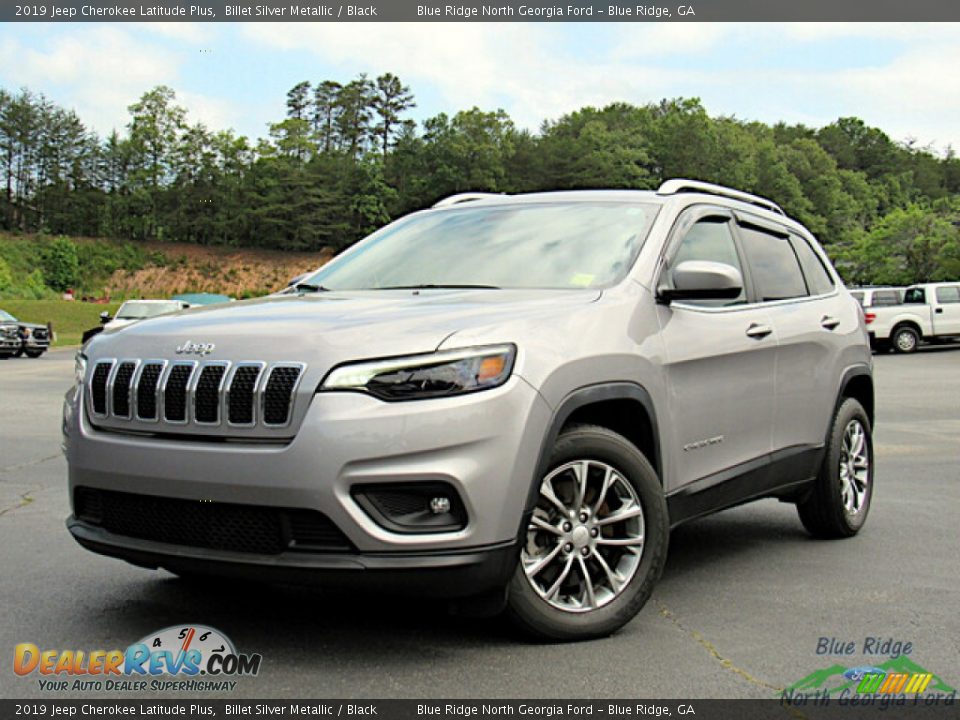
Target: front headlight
x,y
417,377
79,369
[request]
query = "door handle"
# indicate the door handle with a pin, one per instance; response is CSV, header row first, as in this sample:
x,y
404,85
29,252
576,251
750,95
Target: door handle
x,y
939,311
829,323
758,331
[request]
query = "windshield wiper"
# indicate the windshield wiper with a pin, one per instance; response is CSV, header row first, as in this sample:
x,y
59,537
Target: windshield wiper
x,y
307,287
431,286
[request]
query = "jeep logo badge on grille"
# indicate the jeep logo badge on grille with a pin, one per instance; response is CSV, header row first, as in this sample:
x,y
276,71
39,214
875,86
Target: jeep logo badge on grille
x,y
192,348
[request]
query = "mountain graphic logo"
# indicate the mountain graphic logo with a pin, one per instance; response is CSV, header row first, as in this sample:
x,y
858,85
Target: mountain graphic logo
x,y
903,675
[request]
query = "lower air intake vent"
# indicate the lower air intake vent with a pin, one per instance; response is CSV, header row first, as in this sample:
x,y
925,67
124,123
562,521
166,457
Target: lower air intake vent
x,y
216,526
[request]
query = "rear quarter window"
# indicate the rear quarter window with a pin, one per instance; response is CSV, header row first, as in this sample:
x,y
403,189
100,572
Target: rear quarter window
x,y
886,297
819,280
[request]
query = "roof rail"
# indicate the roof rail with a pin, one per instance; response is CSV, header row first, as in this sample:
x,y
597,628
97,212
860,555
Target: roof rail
x,y
465,197
680,185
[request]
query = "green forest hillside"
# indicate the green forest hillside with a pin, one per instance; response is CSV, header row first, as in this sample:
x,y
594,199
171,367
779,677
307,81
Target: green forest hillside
x,y
347,158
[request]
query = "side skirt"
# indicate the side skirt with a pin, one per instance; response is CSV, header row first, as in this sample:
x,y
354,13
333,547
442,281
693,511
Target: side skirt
x,y
784,474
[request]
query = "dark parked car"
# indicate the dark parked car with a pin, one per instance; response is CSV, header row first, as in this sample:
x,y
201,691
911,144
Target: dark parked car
x,y
17,338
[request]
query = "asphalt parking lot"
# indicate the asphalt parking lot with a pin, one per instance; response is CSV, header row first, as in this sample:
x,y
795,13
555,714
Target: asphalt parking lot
x,y
744,601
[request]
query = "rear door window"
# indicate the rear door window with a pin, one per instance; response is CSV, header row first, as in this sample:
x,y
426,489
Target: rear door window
x,y
773,265
949,294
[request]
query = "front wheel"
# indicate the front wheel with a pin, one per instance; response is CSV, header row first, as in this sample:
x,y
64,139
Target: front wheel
x,y
34,353
596,542
838,505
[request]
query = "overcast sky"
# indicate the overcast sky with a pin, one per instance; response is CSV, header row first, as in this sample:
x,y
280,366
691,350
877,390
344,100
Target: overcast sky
x,y
901,77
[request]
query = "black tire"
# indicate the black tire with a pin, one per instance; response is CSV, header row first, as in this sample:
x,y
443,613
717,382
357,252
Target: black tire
x,y
823,512
34,353
905,339
534,614
18,353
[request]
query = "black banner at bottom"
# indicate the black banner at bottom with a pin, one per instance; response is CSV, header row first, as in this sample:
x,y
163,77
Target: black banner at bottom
x,y
822,709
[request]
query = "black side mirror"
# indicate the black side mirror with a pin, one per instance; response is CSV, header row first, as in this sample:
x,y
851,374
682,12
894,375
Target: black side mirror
x,y
104,317
702,280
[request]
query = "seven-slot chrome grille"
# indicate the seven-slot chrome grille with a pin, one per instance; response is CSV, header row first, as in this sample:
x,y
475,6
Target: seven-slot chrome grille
x,y
195,396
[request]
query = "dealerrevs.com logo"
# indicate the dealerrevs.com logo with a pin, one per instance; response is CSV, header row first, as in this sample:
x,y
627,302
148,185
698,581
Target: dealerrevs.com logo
x,y
181,657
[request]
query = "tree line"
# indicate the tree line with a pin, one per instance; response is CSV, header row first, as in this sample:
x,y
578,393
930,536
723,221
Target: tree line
x,y
347,158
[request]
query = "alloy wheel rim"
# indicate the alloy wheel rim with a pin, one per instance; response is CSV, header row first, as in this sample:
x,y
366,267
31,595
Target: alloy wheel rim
x,y
854,468
585,538
906,341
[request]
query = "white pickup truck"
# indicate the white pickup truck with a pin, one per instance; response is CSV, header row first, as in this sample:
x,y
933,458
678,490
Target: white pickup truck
x,y
929,312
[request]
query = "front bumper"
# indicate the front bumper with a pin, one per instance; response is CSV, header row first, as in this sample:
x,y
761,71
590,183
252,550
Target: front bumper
x,y
32,343
437,574
485,445
9,345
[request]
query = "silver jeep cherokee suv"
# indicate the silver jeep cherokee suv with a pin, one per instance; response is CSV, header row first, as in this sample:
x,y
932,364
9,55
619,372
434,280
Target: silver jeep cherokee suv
x,y
511,399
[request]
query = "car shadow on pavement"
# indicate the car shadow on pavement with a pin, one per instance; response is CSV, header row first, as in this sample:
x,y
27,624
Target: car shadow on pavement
x,y
291,617
760,533
361,626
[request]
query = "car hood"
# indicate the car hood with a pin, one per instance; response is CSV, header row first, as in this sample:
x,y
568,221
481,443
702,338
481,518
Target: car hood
x,y
333,327
32,326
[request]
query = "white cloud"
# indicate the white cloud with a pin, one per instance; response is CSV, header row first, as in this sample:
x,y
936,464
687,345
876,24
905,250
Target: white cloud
x,y
189,32
535,71
522,67
99,71
653,40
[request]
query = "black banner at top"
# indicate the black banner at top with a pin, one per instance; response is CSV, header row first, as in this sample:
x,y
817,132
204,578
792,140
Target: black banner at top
x,y
474,11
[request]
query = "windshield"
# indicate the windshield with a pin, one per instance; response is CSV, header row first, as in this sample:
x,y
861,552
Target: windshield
x,y
141,310
550,245
7,316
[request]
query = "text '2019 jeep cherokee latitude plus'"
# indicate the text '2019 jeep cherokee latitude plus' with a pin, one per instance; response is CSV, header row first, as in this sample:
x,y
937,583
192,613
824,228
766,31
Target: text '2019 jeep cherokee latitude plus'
x,y
503,397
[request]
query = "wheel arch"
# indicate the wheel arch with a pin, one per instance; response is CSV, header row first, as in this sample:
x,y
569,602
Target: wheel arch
x,y
616,406
906,322
857,383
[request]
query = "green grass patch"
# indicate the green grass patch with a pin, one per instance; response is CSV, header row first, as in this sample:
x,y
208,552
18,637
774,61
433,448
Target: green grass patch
x,y
69,319
34,267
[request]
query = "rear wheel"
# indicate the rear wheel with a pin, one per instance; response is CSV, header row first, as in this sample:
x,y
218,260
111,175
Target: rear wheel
x,y
905,339
596,541
34,353
843,490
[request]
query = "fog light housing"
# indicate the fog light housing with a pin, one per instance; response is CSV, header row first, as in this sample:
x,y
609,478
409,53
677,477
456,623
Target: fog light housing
x,y
440,505
412,508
